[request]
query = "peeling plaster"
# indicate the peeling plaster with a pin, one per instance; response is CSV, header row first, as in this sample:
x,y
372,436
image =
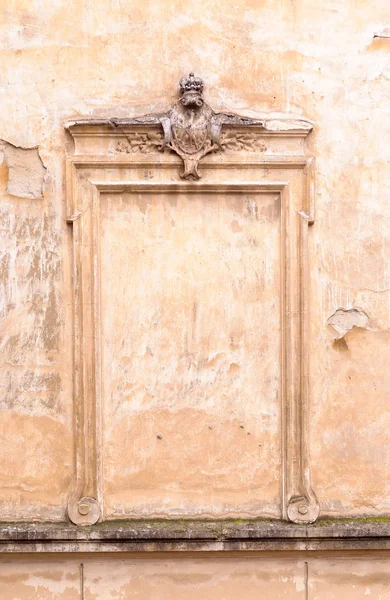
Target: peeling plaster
x,y
383,33
26,171
344,320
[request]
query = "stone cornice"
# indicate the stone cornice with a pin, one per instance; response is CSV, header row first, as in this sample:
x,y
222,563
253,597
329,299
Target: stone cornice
x,y
199,536
267,122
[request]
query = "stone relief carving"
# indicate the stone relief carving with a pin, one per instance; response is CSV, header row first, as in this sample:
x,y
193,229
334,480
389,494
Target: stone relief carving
x,y
140,142
248,142
191,133
191,129
146,143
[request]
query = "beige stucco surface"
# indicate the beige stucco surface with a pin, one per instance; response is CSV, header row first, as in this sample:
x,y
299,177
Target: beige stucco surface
x,y
191,389
40,580
193,577
166,441
211,578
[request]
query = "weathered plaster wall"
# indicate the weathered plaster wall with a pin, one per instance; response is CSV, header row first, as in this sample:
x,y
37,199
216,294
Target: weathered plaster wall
x,y
203,429
326,61
211,578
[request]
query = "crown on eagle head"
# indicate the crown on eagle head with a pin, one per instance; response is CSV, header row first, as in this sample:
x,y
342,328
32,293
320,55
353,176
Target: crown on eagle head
x,y
191,84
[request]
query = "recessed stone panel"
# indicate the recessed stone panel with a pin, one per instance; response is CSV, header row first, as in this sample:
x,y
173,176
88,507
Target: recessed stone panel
x,y
190,312
192,578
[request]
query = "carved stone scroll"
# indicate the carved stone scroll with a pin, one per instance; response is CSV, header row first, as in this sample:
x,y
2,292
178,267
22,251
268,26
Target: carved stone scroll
x,y
240,155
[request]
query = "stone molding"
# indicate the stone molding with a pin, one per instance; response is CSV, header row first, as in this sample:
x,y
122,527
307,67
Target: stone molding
x,y
105,158
94,168
192,130
196,536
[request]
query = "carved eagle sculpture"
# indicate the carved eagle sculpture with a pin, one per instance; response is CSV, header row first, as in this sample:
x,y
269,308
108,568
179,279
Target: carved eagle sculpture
x,y
191,128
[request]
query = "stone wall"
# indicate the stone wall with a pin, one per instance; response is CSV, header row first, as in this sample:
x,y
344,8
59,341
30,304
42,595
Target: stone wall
x,y
192,577
325,63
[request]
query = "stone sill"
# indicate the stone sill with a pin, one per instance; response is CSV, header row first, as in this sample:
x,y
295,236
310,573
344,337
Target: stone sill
x,y
174,536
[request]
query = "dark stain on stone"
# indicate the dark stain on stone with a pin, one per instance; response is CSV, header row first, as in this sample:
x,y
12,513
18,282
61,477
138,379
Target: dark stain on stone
x,y
51,322
341,345
30,392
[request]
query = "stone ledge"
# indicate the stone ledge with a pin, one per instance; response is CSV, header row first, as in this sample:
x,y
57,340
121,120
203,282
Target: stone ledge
x,y
155,536
272,122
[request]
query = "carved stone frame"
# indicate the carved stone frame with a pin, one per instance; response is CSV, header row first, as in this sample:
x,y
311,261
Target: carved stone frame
x,y
96,167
